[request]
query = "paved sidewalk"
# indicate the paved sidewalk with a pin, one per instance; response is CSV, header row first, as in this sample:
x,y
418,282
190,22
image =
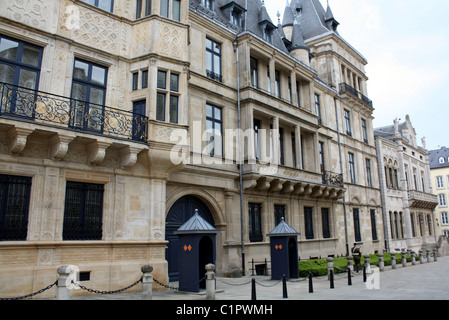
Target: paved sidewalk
x,y
428,281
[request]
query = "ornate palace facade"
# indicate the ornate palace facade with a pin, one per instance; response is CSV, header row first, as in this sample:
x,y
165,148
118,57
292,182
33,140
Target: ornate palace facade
x,y
100,99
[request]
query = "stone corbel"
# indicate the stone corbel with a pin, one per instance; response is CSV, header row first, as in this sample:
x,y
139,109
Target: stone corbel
x,y
18,139
97,151
288,187
263,184
59,146
129,157
276,185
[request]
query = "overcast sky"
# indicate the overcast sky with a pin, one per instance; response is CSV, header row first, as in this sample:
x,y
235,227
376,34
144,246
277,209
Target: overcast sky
x,y
406,43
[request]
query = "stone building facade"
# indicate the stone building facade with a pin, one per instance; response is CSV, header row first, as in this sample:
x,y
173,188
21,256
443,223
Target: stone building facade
x,y
406,188
119,118
439,171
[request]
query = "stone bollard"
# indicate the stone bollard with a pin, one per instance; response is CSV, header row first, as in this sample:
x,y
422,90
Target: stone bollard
x,y
210,282
330,267
393,261
147,282
381,262
351,264
435,255
413,258
64,283
404,259
428,255
421,256
367,263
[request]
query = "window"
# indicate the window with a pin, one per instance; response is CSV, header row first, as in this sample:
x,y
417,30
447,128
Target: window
x,y
373,224
441,160
167,94
254,73
442,200
444,219
322,160
214,128
144,79
268,33
255,222
290,93
208,4
357,234
257,147
308,222
368,173
236,17
294,154
278,84
364,131
281,146
139,123
106,5
213,60
164,8
135,81
348,123
440,182
20,65
176,10
318,108
352,168
89,89
268,80
325,222
14,207
279,213
143,8
83,212
298,92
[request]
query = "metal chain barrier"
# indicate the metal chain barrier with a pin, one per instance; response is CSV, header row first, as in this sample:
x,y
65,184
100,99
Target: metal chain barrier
x,y
34,293
174,288
107,292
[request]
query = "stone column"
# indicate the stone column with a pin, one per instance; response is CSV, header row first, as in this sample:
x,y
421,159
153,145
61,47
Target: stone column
x,y
210,282
393,261
381,261
147,282
64,283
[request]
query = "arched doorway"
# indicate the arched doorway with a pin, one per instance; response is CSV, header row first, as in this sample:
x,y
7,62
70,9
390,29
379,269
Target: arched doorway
x,y
181,211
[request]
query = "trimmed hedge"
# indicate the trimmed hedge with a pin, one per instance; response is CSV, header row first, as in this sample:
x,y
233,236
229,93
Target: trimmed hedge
x,y
318,267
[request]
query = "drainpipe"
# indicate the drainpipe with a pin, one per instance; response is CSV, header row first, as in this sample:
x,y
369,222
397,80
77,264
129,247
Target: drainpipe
x,y
382,193
240,161
343,177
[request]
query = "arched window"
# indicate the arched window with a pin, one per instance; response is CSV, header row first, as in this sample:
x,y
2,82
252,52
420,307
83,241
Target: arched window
x,y
441,160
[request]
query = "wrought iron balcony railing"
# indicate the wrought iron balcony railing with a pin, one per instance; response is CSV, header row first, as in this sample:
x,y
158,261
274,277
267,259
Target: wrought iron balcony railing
x,y
346,88
214,76
49,109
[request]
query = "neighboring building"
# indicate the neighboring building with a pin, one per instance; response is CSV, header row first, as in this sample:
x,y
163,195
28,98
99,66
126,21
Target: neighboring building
x,y
407,198
97,95
439,170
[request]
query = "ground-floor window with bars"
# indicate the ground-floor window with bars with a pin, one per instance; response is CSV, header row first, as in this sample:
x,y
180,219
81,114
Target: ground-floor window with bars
x,y
83,211
14,207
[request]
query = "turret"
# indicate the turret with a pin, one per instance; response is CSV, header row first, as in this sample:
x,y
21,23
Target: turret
x,y
298,48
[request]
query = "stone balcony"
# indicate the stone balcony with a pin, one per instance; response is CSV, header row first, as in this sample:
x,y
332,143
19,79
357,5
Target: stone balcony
x,y
59,120
285,180
422,200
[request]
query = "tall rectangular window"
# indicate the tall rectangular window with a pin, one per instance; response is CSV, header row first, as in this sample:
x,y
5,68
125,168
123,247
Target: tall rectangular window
x,y
348,123
257,146
279,213
444,218
294,152
89,91
14,207
176,10
278,84
298,92
255,222
440,182
20,65
281,146
139,124
373,224
164,8
167,95
308,222
357,234
213,60
352,168
442,200
268,79
322,160
364,131
254,73
368,173
83,211
318,108
143,8
325,223
214,128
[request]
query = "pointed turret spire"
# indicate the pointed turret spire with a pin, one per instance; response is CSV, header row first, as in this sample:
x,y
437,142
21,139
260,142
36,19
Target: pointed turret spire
x,y
288,16
297,37
331,23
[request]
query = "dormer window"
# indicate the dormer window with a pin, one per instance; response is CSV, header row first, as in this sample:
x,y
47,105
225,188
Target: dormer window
x,y
441,160
236,17
268,33
209,4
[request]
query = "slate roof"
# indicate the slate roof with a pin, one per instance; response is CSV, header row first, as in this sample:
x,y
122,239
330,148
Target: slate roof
x,y
196,224
283,230
435,155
